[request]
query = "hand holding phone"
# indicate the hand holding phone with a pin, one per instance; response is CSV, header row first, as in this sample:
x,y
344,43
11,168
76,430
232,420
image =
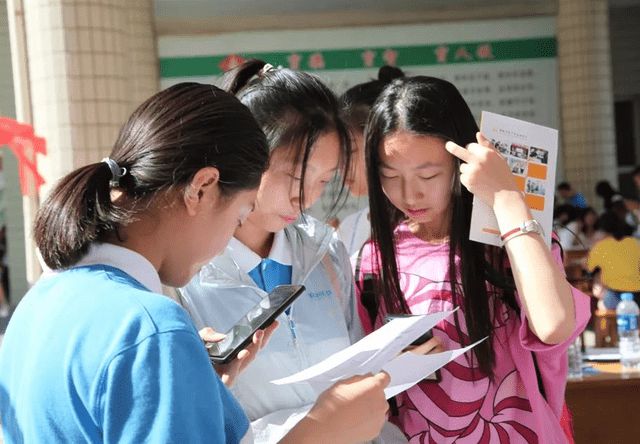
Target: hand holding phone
x,y
258,318
229,372
421,340
418,342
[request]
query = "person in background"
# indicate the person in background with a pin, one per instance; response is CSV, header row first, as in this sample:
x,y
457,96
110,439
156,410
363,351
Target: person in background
x,y
615,260
94,352
633,204
510,387
567,226
278,244
571,196
607,193
612,198
355,229
635,176
589,232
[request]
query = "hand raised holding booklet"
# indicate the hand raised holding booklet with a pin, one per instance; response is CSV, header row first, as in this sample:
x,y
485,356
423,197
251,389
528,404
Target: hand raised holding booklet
x,y
531,153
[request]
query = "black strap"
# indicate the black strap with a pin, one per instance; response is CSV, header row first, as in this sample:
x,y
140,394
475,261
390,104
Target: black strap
x,y
366,285
538,376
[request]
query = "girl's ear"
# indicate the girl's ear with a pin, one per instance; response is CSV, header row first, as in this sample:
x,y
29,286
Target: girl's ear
x,y
203,182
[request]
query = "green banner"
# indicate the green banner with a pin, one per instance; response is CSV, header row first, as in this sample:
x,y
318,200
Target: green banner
x,y
374,57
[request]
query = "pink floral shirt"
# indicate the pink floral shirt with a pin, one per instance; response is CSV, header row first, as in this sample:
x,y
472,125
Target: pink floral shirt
x,y
466,406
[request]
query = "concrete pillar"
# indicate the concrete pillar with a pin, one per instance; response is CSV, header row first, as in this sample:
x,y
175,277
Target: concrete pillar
x,y
588,146
11,200
89,64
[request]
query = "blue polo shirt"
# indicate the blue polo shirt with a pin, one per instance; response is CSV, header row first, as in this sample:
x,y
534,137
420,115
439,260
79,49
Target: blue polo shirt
x,y
95,354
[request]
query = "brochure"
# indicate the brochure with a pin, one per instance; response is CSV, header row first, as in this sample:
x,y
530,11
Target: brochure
x,y
531,151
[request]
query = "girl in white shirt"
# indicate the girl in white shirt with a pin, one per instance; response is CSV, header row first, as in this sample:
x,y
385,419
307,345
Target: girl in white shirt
x,y
356,102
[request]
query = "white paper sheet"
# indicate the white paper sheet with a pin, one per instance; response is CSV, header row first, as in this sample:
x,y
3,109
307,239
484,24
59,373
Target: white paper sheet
x,y
409,368
371,353
382,350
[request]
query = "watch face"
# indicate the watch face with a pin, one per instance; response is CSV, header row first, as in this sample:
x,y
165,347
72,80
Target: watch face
x,y
532,226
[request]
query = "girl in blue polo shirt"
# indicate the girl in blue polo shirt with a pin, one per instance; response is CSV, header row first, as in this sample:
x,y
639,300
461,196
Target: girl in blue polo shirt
x,y
94,352
279,244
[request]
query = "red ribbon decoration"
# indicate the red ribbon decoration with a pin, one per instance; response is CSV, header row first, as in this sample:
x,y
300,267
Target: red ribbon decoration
x,y
21,139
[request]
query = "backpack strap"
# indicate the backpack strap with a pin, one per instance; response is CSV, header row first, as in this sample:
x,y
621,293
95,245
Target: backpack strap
x,y
366,285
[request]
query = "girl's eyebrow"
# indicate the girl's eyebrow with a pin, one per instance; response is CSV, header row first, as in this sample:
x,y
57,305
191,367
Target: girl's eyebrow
x,y
418,167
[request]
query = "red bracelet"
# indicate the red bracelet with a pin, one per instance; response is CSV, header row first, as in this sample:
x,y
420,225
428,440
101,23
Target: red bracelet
x,y
509,233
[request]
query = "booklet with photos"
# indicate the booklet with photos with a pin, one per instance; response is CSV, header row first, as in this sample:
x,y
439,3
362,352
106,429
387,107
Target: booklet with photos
x,y
531,151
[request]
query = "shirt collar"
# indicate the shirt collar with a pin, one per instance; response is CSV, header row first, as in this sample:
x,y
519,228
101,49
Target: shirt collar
x,y
247,260
134,264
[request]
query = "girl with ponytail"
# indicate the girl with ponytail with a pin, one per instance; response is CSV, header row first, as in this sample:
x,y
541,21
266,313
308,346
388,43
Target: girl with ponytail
x,y
279,244
95,352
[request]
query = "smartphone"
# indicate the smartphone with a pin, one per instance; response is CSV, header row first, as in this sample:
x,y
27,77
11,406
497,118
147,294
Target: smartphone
x,y
434,377
258,318
421,340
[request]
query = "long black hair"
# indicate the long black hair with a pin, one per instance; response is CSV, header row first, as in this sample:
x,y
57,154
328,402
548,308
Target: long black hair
x,y
294,109
434,107
164,143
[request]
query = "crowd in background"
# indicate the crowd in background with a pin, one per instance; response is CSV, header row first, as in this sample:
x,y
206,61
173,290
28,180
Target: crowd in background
x,y
609,239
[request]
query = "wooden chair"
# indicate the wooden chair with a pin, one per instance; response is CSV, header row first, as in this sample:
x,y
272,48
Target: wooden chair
x,y
605,328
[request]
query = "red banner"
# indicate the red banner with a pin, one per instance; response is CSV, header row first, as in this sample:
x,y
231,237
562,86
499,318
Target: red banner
x,y
21,139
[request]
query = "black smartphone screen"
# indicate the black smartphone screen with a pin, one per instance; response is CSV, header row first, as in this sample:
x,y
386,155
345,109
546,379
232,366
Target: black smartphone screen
x,y
434,377
259,317
421,340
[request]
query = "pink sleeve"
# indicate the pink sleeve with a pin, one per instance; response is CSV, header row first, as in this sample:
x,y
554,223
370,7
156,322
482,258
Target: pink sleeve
x,y
582,309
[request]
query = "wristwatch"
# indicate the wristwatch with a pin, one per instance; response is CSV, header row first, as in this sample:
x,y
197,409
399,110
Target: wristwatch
x,y
528,226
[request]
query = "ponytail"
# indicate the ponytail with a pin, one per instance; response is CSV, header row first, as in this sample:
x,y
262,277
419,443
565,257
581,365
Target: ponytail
x,y
75,214
237,78
163,144
358,100
388,74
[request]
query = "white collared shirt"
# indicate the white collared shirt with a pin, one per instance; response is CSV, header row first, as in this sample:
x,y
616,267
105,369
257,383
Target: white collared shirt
x,y
247,260
133,263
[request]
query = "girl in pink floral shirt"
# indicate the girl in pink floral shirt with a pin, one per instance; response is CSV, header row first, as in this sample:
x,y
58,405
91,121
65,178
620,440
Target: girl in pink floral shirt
x,y
509,388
